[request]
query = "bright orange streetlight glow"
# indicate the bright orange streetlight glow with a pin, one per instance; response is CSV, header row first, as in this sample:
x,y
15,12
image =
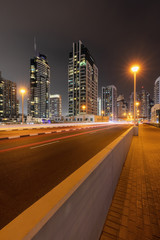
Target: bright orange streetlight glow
x,y
83,107
135,68
22,90
137,104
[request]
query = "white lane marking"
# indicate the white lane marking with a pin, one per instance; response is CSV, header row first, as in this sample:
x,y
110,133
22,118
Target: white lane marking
x,y
34,134
43,145
47,132
58,131
14,137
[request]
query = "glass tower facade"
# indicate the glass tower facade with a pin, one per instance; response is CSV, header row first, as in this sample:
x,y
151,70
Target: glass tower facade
x,y
109,101
157,91
55,106
39,87
8,99
82,81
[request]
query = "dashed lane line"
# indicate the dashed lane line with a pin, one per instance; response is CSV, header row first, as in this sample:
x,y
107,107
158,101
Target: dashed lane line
x,y
43,145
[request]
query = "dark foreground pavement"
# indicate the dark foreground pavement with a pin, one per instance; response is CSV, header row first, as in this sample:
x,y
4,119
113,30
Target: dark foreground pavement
x,y
135,209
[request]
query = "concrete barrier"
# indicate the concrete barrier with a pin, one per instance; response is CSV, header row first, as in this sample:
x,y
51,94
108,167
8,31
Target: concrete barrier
x,y
77,207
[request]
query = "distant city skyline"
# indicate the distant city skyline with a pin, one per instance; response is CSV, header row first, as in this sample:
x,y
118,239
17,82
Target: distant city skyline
x,y
117,34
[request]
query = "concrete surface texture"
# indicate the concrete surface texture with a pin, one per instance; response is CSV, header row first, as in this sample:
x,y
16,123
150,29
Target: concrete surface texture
x,y
135,209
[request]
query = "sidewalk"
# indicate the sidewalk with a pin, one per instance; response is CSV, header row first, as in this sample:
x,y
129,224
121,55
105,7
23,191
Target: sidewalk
x,y
135,209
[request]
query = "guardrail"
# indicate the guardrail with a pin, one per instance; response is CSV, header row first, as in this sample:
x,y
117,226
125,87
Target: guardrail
x,y
77,207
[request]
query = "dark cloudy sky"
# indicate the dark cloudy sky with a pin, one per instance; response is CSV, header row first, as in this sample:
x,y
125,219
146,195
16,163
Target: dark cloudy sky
x,y
116,32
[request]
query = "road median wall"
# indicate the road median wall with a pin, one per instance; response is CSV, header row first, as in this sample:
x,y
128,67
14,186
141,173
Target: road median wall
x,y
77,207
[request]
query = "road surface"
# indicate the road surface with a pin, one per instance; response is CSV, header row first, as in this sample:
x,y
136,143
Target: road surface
x,y
31,166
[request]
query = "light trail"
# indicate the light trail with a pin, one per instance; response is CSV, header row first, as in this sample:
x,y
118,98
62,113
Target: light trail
x,y
51,140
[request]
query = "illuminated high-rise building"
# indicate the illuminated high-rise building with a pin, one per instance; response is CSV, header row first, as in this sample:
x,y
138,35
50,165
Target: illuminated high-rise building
x,y
131,102
39,91
144,107
99,106
55,106
82,81
157,91
109,101
121,107
8,100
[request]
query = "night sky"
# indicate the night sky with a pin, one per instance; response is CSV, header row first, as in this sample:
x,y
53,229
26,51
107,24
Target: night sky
x,y
116,32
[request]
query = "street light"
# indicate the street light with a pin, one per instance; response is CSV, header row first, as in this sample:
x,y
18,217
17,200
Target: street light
x,y
22,91
83,107
135,69
102,113
137,104
111,116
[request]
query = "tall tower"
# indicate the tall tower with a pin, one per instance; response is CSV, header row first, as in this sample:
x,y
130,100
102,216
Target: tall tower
x,y
109,101
82,81
121,107
99,106
144,107
8,99
55,106
39,87
157,91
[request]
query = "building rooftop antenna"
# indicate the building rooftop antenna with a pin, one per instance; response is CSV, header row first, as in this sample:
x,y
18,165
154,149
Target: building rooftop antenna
x,y
35,46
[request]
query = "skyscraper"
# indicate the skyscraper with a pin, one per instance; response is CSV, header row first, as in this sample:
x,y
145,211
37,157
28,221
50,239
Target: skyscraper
x,y
39,91
8,99
157,91
131,102
99,106
55,106
144,107
121,107
82,81
109,101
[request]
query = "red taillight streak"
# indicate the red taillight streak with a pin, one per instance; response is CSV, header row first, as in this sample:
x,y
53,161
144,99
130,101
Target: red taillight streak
x,y
46,141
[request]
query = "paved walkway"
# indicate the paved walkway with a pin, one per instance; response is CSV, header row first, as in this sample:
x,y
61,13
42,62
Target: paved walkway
x,y
135,209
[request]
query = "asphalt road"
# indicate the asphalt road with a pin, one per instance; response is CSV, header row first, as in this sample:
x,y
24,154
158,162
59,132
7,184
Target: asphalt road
x,y
32,166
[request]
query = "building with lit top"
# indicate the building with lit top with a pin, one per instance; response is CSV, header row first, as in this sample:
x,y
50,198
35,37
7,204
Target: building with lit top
x,y
109,101
55,106
8,100
39,91
82,81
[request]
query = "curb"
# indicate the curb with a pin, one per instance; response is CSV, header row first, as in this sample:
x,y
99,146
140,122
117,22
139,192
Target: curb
x,y
43,133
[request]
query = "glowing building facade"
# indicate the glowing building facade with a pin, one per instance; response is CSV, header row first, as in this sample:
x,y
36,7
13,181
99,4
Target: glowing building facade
x,y
39,87
109,101
82,81
8,100
157,91
55,106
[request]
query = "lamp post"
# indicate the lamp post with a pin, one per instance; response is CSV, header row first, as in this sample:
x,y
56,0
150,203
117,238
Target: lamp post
x,y
137,104
22,91
102,113
84,107
134,70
